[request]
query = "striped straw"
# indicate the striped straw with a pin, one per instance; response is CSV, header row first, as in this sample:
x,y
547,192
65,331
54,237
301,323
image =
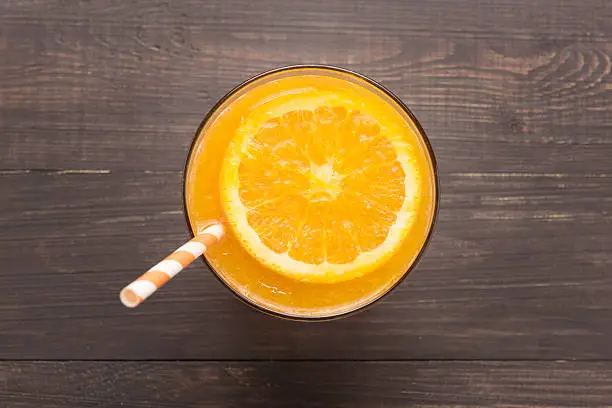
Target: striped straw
x,y
136,292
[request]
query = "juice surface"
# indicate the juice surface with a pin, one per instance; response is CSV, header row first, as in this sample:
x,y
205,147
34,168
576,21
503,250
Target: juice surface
x,y
259,283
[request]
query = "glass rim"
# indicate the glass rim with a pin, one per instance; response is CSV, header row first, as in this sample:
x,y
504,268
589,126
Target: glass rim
x,y
423,137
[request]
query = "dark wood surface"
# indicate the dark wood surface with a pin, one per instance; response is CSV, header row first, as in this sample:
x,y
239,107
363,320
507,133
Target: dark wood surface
x,y
305,384
99,101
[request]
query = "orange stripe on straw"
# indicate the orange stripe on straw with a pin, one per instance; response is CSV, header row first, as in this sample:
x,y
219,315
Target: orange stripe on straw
x,y
143,287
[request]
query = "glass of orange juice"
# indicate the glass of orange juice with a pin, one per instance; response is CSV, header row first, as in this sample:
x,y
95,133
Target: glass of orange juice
x,y
327,185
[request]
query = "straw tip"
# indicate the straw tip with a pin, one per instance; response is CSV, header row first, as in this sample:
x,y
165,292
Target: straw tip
x,y
129,298
215,229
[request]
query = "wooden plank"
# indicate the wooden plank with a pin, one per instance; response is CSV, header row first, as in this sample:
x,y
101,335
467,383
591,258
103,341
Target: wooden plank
x,y
305,384
499,85
518,269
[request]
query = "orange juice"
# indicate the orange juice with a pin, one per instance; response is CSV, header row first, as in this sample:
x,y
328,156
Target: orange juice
x,y
327,186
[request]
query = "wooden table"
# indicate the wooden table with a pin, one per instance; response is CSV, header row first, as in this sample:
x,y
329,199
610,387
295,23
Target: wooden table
x,y
511,305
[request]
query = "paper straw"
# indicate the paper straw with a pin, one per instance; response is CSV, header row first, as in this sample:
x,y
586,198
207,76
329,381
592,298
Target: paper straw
x,y
136,292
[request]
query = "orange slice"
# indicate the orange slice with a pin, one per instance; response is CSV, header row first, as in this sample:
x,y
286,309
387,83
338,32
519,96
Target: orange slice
x,y
317,189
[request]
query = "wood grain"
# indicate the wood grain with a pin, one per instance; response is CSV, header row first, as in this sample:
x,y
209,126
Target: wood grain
x,y
303,384
518,269
514,86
